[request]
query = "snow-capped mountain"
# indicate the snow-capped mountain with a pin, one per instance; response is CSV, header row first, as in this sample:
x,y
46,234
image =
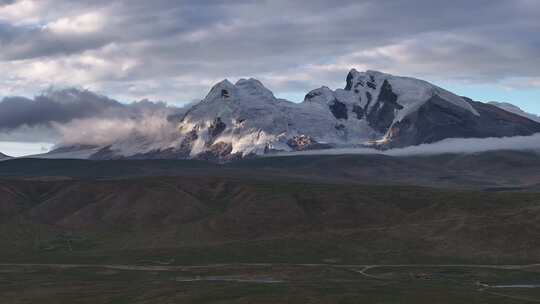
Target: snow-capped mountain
x,y
515,109
374,109
383,102
246,118
4,157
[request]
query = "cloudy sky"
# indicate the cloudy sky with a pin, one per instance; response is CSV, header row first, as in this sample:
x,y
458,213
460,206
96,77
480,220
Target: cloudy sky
x,y
174,50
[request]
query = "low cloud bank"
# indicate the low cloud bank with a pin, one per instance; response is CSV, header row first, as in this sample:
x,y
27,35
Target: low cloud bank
x,y
450,145
73,116
106,131
472,145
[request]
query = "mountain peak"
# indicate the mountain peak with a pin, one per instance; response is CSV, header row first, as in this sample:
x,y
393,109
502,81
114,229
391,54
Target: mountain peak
x,y
222,89
353,71
242,89
322,94
249,81
369,78
253,87
225,83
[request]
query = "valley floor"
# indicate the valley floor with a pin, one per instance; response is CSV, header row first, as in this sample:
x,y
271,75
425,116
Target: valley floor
x,y
268,283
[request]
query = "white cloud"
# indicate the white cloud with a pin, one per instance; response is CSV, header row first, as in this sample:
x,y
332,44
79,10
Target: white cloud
x,y
21,12
472,145
450,145
89,69
84,24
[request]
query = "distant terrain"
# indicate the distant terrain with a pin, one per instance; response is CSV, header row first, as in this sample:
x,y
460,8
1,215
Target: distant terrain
x,y
478,171
265,228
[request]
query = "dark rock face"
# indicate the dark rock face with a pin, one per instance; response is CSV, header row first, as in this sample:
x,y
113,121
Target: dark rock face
x,y
311,95
383,111
438,119
187,143
339,127
217,127
304,142
217,151
371,83
359,83
357,109
225,93
494,121
349,84
369,98
339,110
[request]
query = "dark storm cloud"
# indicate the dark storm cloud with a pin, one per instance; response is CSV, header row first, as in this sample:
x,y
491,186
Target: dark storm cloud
x,y
63,106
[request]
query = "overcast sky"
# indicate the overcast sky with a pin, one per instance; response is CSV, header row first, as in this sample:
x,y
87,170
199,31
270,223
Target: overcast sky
x,y
173,50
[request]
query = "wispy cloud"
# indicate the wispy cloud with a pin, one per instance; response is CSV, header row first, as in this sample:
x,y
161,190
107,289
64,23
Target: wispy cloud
x,y
450,145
